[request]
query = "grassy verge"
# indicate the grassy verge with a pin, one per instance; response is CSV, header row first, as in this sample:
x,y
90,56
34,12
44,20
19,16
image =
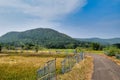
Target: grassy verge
x,y
95,52
81,71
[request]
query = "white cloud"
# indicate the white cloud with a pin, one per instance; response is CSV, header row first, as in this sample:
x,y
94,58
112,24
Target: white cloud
x,y
46,9
44,13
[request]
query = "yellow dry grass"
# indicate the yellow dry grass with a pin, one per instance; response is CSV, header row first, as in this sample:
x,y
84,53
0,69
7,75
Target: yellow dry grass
x,y
19,60
22,68
81,71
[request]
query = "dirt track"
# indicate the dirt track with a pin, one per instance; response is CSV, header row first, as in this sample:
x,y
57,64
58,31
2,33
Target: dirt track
x,y
105,69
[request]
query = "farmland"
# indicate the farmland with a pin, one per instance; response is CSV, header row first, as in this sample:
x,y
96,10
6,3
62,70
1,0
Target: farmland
x,y
19,67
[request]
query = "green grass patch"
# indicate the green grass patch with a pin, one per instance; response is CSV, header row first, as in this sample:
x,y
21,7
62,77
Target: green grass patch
x,y
95,52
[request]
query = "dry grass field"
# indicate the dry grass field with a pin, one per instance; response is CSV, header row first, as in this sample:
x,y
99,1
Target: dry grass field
x,y
21,67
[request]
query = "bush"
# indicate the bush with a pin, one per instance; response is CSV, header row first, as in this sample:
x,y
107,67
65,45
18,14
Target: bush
x,y
112,51
78,50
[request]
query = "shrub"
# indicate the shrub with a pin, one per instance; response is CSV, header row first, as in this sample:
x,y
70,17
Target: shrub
x,y
78,50
112,51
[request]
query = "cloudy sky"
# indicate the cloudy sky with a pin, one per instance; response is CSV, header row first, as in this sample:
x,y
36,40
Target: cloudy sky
x,y
77,18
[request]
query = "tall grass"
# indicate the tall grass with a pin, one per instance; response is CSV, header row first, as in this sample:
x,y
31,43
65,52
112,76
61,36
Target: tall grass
x,y
21,67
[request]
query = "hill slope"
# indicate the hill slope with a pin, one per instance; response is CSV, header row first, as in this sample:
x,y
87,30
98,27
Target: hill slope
x,y
41,36
101,41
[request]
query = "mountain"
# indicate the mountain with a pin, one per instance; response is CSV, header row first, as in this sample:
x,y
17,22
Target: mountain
x,y
41,36
101,41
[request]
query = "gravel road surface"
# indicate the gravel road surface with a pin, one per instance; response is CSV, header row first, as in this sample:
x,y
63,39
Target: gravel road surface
x,y
105,69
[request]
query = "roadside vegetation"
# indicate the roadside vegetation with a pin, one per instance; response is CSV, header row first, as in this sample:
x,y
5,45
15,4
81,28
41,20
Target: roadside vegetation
x,y
81,71
112,51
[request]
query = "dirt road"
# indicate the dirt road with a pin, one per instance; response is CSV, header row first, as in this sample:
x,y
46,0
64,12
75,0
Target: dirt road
x,y
105,69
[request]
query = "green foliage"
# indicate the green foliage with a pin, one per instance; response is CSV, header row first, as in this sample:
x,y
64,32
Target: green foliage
x,y
117,45
96,46
36,48
44,37
101,41
78,50
47,38
69,46
112,51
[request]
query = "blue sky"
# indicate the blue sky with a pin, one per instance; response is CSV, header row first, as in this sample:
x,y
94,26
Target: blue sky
x,y
77,18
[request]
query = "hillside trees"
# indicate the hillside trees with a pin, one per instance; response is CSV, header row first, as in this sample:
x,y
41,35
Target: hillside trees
x,y
117,45
96,46
36,48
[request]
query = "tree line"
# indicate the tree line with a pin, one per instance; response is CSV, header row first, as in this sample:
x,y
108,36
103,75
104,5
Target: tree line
x,y
36,46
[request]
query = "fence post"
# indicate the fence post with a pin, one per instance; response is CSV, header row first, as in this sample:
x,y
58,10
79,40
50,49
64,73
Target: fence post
x,y
70,61
83,55
48,65
68,64
62,66
44,69
55,69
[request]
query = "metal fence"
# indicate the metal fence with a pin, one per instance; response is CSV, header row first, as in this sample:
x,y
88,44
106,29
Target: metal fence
x,y
48,72
117,56
70,61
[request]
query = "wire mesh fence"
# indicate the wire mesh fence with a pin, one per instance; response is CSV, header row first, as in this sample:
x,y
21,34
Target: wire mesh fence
x,y
48,72
70,61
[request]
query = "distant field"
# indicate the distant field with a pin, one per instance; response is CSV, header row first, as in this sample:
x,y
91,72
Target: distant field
x,y
21,67
43,50
41,53
95,52
17,65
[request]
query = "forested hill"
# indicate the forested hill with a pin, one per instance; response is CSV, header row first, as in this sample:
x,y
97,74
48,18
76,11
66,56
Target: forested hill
x,y
41,36
99,40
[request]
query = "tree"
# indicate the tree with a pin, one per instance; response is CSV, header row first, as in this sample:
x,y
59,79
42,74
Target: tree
x,y
78,50
117,45
96,46
36,48
69,46
29,46
22,46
